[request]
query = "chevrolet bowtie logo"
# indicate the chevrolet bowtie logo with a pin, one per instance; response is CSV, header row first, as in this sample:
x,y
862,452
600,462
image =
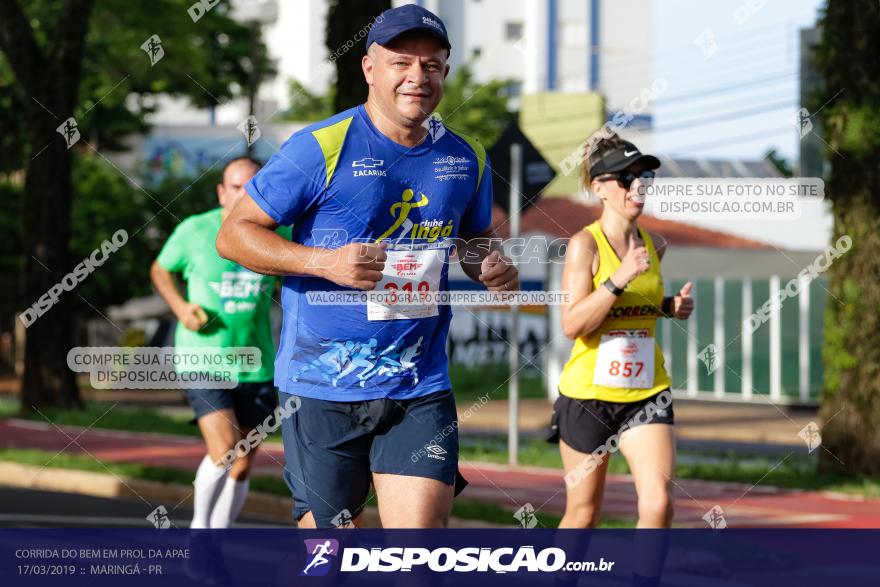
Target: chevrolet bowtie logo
x,y
368,163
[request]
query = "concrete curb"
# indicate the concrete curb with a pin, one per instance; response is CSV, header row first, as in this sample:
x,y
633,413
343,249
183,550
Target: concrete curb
x,y
108,485
111,486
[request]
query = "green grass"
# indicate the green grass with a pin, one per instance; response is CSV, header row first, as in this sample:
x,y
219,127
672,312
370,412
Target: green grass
x,y
121,417
96,415
470,383
794,472
495,514
535,453
42,458
8,407
465,509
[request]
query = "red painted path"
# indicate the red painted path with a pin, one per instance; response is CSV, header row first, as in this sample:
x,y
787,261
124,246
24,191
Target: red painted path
x,y
511,488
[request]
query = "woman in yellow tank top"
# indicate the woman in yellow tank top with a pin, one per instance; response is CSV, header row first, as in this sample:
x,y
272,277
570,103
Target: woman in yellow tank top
x,y
614,390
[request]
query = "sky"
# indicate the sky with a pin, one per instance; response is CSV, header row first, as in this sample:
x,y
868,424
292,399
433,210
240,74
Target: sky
x,y
739,98
751,78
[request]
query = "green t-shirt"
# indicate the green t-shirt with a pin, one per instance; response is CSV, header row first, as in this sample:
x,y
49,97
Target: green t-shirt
x,y
236,299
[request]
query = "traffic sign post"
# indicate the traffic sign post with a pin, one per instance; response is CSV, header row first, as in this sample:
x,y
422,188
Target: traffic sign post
x,y
535,171
513,332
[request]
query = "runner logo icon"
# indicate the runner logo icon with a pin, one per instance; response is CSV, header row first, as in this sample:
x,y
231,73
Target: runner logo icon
x,y
318,561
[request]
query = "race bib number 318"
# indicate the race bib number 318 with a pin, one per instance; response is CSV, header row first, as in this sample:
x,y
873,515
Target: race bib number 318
x,y
408,277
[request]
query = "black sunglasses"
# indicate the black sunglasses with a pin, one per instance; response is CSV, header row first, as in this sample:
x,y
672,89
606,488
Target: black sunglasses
x,y
626,178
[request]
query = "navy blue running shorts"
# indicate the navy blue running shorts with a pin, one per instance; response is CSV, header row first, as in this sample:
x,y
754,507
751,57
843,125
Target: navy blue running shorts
x,y
332,449
252,402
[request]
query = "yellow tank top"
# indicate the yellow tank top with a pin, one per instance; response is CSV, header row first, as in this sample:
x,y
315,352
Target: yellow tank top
x,y
626,329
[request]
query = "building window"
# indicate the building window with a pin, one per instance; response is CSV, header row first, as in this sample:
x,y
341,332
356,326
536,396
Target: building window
x,y
476,52
513,31
513,89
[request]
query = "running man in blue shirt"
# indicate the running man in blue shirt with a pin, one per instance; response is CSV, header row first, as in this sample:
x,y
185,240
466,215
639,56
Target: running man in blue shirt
x,y
375,195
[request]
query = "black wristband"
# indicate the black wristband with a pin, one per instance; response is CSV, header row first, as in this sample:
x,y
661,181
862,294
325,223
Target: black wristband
x,y
666,307
609,285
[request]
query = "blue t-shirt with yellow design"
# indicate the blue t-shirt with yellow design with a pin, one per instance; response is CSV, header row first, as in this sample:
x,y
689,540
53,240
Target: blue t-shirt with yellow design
x,y
341,181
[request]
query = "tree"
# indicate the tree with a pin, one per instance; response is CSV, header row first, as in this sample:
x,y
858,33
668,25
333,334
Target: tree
x,y
847,59
781,164
479,110
50,77
76,58
306,106
348,22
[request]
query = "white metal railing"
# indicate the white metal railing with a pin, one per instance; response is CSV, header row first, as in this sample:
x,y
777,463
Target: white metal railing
x,y
559,347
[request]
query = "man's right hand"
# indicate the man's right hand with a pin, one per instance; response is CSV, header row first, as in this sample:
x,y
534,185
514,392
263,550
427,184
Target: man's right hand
x,y
192,316
356,265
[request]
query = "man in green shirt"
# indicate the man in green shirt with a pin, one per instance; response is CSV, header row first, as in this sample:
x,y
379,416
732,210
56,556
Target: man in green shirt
x,y
225,306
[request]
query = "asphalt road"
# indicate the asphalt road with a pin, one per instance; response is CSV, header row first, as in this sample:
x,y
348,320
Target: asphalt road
x,y
29,508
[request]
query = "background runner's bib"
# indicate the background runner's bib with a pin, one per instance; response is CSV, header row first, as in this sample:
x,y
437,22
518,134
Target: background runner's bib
x,y
409,271
621,360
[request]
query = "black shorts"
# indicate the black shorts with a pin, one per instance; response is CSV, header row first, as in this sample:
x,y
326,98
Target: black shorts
x,y
587,424
252,402
332,449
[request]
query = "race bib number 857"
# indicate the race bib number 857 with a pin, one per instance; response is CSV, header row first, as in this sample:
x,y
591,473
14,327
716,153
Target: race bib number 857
x,y
625,360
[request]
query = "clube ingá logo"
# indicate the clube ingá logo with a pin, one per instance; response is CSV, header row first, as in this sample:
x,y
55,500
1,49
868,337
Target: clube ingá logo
x,y
319,552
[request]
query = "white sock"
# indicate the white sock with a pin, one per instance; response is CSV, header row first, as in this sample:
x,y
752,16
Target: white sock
x,y
209,480
229,503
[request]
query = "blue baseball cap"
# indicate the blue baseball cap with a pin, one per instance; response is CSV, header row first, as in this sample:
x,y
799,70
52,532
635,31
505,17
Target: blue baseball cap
x,y
409,17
